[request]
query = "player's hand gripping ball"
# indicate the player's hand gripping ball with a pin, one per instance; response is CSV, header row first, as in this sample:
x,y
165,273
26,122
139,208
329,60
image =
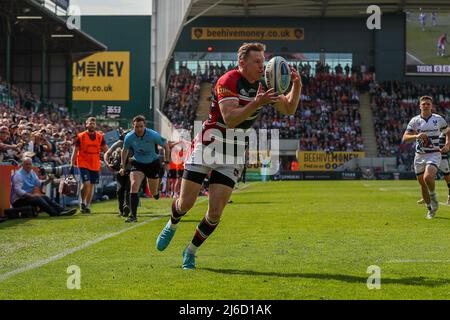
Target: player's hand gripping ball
x,y
278,75
424,141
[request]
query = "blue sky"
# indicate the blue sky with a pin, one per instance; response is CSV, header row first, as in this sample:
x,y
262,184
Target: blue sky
x,y
113,7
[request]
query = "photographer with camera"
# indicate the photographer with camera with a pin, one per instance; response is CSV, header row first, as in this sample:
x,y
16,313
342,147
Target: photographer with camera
x,y
112,160
24,182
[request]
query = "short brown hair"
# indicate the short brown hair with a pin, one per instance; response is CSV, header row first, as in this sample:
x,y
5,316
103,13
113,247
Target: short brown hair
x,y
247,47
138,118
425,98
91,119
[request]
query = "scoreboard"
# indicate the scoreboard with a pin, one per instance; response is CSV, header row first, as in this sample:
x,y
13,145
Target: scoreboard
x,y
429,69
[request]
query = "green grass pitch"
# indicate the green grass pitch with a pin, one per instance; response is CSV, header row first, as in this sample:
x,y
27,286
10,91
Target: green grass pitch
x,y
423,44
277,240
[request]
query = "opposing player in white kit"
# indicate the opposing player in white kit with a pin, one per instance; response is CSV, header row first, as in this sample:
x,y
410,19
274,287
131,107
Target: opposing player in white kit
x,y
425,130
444,167
422,20
434,19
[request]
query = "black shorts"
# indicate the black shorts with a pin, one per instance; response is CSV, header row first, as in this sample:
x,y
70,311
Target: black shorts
x,y
172,173
151,170
89,176
215,178
161,170
180,173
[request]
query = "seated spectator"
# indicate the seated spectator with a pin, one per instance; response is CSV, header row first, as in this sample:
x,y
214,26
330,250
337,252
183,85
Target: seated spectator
x,y
5,145
24,183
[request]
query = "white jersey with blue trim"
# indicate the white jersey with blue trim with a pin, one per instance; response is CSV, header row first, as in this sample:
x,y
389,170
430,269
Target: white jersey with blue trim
x,y
433,126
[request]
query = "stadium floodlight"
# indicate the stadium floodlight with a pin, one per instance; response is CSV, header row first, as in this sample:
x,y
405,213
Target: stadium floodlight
x,y
62,35
29,17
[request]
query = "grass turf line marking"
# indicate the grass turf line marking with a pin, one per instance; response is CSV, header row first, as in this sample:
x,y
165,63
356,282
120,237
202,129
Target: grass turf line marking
x,y
417,261
414,58
87,244
70,251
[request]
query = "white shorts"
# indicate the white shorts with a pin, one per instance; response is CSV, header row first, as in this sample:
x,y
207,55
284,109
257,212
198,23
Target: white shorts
x,y
444,167
426,159
441,46
198,162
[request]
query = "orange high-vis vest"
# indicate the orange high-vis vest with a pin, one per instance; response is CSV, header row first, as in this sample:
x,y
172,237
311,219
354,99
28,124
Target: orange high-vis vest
x,y
180,166
172,165
88,156
179,160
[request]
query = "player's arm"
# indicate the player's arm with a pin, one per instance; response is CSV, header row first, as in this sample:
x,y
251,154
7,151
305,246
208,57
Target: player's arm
x,y
288,103
124,155
73,158
76,148
411,132
103,145
233,114
166,149
411,135
123,158
446,147
166,145
108,153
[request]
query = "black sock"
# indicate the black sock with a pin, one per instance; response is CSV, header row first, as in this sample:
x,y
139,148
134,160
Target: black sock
x,y
176,215
204,230
120,198
134,201
448,185
156,196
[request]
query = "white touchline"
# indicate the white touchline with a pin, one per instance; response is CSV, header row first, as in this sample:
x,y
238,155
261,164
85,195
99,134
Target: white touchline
x,y
409,54
417,261
70,251
61,255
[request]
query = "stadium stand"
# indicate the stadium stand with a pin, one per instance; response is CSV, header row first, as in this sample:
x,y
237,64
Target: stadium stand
x,y
182,98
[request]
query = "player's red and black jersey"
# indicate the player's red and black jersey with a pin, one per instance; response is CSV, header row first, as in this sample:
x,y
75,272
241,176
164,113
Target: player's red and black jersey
x,y
231,86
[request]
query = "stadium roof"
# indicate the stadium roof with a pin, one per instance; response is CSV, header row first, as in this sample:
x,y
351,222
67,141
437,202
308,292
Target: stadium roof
x,y
31,17
307,8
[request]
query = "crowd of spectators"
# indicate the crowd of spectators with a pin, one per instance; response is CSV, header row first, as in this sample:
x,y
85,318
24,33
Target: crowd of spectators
x,y
393,105
44,132
182,98
327,118
357,73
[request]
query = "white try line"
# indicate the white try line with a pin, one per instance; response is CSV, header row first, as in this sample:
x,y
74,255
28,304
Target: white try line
x,y
414,58
89,243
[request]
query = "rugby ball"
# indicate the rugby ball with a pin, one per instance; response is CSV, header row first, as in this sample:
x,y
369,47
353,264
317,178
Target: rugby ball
x,y
278,74
424,142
